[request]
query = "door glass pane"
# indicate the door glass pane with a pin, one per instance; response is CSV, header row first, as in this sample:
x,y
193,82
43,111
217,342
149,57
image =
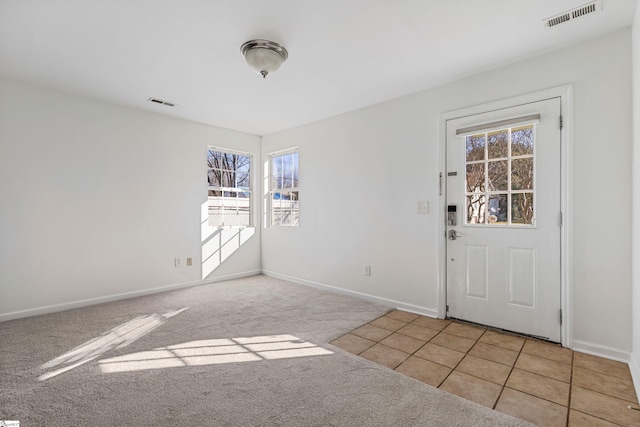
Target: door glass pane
x,y
498,143
522,208
475,147
498,175
498,209
522,174
475,177
522,140
476,209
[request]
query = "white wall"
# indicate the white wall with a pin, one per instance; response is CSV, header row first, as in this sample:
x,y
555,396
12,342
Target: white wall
x,y
97,200
352,164
635,356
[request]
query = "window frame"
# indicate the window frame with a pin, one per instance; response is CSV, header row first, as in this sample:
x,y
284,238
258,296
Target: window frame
x,y
235,189
281,190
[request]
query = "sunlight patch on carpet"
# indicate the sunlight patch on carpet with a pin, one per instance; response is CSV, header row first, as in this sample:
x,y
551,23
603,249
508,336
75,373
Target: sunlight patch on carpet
x,y
118,337
214,352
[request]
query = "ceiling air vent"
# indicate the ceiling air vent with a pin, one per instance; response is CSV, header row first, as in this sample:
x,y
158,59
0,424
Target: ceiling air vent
x,y
573,14
161,102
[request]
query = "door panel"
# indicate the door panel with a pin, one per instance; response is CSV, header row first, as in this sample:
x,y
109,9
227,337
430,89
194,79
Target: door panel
x,y
477,261
503,248
522,277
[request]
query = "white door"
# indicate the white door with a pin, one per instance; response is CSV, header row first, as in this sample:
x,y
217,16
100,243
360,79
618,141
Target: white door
x,y
503,219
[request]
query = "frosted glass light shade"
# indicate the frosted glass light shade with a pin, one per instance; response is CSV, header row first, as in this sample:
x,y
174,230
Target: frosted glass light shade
x,y
264,56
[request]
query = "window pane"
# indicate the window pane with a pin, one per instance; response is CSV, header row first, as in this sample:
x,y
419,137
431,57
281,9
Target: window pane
x,y
475,177
276,173
216,212
295,169
216,159
243,180
522,174
522,140
284,202
476,209
498,209
276,209
498,175
229,161
498,143
230,171
213,178
210,158
228,178
284,208
475,147
290,202
243,163
522,208
287,171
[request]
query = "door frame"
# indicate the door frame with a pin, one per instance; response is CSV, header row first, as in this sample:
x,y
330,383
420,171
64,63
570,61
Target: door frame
x,y
565,93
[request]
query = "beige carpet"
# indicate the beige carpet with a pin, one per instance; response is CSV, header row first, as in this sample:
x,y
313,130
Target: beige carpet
x,y
248,352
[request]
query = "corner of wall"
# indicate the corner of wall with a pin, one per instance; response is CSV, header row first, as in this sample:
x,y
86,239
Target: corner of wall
x,y
634,362
634,367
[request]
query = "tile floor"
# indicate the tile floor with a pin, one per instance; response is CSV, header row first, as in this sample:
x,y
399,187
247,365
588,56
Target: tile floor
x,y
537,381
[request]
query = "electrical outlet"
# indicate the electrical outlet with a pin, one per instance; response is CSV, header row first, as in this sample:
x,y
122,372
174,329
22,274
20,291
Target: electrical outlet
x,y
423,207
189,262
367,270
176,262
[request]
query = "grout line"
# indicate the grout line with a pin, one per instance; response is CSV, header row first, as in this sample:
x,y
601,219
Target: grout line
x,y
452,369
510,372
466,353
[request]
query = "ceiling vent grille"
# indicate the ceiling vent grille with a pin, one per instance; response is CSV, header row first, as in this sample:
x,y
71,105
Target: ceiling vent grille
x,y
161,102
573,14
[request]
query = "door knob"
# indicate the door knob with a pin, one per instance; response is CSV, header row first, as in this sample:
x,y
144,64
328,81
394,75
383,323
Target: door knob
x,y
453,235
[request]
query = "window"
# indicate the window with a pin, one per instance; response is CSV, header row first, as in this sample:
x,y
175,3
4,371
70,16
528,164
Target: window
x,y
229,179
283,189
500,176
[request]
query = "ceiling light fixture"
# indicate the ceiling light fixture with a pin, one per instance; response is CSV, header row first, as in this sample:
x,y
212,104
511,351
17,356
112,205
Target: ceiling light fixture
x,y
264,56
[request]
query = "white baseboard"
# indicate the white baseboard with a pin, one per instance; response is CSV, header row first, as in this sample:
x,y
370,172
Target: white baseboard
x,y
115,297
429,312
601,351
634,367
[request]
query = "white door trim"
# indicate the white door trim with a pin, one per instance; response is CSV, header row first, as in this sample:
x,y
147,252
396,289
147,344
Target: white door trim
x,y
566,172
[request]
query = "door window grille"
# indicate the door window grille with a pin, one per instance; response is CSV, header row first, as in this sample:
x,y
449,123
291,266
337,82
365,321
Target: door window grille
x,y
499,184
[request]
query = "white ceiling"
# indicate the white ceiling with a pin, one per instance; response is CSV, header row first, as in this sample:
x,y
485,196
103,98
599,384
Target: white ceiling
x,y
343,54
